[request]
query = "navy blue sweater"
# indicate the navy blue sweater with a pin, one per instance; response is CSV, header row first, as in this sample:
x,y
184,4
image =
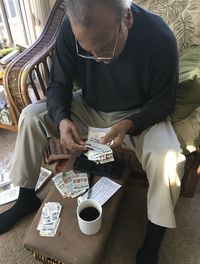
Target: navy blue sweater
x,y
144,76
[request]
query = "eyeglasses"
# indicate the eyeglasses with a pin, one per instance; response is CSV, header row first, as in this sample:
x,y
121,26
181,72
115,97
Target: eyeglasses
x,y
91,57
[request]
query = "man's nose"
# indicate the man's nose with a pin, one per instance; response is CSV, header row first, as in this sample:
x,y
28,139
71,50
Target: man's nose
x,y
104,61
97,60
107,61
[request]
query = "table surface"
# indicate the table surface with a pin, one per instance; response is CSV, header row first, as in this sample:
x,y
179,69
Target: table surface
x,y
70,245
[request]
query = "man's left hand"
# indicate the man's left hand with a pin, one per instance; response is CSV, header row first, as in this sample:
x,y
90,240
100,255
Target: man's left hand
x,y
118,132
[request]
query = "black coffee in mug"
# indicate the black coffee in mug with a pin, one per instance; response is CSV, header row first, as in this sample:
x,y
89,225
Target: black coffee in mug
x,y
89,214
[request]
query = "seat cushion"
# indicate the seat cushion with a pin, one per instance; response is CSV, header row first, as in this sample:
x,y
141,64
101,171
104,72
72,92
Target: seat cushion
x,y
188,99
188,94
189,65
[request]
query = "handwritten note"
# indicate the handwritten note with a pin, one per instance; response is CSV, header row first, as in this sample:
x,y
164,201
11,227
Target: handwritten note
x,y
103,190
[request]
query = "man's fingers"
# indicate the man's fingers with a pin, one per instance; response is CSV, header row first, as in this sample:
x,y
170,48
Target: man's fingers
x,y
76,148
72,146
107,138
76,136
70,137
118,141
66,142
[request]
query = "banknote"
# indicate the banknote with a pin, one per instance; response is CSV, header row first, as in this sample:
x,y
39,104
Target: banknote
x,y
97,152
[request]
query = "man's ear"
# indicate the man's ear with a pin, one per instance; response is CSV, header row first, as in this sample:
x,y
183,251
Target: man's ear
x,y
128,18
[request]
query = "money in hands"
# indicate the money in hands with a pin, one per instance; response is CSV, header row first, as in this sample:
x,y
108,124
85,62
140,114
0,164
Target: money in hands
x,y
97,152
71,184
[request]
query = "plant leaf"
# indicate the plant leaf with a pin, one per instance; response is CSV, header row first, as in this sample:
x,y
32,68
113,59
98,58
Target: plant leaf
x,y
169,10
194,5
142,3
184,31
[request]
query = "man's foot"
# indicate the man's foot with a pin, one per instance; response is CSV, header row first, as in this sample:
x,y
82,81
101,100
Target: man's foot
x,y
138,257
141,258
148,253
26,204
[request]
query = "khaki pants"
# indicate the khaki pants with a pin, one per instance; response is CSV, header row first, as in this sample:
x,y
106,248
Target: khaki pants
x,y
157,148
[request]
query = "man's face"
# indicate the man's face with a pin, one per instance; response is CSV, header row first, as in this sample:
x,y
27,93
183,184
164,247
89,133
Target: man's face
x,y
105,38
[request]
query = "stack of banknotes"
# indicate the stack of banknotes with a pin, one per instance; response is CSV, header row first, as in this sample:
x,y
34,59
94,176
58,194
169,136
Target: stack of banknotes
x,y
71,184
97,152
50,219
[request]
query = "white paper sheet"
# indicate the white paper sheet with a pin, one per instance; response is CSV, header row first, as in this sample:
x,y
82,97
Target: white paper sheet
x,y
103,190
9,195
4,179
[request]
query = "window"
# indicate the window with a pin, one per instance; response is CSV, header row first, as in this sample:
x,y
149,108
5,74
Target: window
x,y
12,27
22,21
10,8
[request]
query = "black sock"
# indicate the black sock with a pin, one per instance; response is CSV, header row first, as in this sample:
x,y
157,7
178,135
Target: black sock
x,y
26,204
148,253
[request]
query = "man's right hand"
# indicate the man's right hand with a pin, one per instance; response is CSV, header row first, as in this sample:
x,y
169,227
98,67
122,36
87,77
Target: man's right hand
x,y
70,137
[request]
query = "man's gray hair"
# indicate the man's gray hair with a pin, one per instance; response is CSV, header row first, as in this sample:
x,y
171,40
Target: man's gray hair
x,y
78,10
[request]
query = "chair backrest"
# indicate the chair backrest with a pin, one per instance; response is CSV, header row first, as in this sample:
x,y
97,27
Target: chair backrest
x,y
31,68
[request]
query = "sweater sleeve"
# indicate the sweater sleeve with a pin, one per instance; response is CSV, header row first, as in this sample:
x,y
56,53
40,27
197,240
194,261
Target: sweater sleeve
x,y
161,97
63,72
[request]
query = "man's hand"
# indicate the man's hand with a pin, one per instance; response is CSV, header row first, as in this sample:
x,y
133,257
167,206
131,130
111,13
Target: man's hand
x,y
118,132
70,136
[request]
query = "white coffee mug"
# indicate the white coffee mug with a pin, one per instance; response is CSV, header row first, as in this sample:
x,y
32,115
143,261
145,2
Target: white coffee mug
x,y
89,215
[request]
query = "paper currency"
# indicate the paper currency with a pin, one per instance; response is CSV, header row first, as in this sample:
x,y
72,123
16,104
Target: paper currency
x,y
95,145
71,184
50,219
44,175
96,133
97,152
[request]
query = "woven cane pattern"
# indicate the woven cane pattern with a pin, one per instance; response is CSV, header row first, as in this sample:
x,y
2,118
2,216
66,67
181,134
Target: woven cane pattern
x,y
44,259
17,72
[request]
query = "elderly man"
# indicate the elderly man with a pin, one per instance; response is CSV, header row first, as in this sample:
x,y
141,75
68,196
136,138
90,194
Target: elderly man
x,y
125,59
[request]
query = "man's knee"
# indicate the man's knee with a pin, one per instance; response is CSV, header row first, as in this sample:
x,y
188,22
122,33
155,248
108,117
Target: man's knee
x,y
164,166
31,114
152,162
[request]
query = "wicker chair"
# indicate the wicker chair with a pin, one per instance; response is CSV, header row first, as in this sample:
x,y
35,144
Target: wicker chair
x,y
28,74
30,70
